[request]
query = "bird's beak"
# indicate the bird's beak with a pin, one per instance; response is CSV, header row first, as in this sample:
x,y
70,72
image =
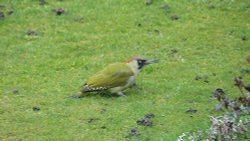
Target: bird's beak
x,y
147,62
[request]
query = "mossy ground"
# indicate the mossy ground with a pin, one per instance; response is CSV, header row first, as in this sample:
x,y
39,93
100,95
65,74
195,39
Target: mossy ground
x,y
203,38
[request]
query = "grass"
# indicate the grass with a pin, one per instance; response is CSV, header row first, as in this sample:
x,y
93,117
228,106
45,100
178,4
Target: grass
x,y
47,67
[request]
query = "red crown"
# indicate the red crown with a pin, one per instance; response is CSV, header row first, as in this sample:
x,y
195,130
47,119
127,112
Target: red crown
x,y
134,58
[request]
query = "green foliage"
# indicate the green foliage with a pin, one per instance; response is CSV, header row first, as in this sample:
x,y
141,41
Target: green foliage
x,y
45,57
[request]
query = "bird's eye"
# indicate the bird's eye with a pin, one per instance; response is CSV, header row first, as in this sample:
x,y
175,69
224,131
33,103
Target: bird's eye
x,y
140,63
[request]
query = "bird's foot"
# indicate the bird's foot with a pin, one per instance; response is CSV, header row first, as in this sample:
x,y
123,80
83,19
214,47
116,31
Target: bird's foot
x,y
120,94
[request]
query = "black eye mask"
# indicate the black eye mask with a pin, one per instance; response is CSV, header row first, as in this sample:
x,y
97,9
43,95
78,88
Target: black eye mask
x,y
141,63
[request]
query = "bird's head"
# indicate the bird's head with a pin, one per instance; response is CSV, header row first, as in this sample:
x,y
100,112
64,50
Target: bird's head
x,y
140,62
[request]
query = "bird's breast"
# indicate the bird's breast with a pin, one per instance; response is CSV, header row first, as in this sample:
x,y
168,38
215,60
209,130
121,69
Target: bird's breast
x,y
129,83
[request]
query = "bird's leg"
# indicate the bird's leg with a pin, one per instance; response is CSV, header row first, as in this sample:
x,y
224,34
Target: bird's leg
x,y
120,94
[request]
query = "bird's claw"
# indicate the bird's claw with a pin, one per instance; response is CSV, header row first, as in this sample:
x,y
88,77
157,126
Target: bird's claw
x,y
121,94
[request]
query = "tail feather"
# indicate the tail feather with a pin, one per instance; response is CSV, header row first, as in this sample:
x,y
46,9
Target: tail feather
x,y
92,89
87,89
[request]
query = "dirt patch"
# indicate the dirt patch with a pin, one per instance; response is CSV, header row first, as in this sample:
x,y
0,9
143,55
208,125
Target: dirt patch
x,y
134,132
5,11
174,17
90,120
191,110
58,11
36,108
15,91
103,127
146,120
244,38
203,78
139,24
31,33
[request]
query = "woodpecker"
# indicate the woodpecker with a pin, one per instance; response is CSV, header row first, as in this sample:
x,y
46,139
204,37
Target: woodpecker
x,y
116,77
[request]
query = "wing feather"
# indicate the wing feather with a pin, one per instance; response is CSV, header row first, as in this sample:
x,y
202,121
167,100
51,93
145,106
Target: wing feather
x,y
112,76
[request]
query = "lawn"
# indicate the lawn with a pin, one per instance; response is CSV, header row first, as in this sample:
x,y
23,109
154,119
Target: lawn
x,y
48,50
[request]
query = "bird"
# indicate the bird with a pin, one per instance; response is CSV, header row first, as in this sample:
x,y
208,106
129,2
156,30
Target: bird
x,y
115,78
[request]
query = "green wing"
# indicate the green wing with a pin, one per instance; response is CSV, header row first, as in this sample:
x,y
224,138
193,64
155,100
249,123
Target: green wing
x,y
112,76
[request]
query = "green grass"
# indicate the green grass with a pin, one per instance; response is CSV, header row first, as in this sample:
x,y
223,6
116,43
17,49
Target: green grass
x,y
52,65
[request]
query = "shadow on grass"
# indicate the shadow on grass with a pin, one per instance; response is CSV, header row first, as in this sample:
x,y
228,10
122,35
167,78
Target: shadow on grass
x,y
105,94
94,94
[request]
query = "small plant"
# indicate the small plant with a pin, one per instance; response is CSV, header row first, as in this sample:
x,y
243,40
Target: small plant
x,y
230,126
195,136
226,128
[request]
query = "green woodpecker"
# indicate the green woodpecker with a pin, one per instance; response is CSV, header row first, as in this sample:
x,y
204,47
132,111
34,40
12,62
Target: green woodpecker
x,y
116,77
